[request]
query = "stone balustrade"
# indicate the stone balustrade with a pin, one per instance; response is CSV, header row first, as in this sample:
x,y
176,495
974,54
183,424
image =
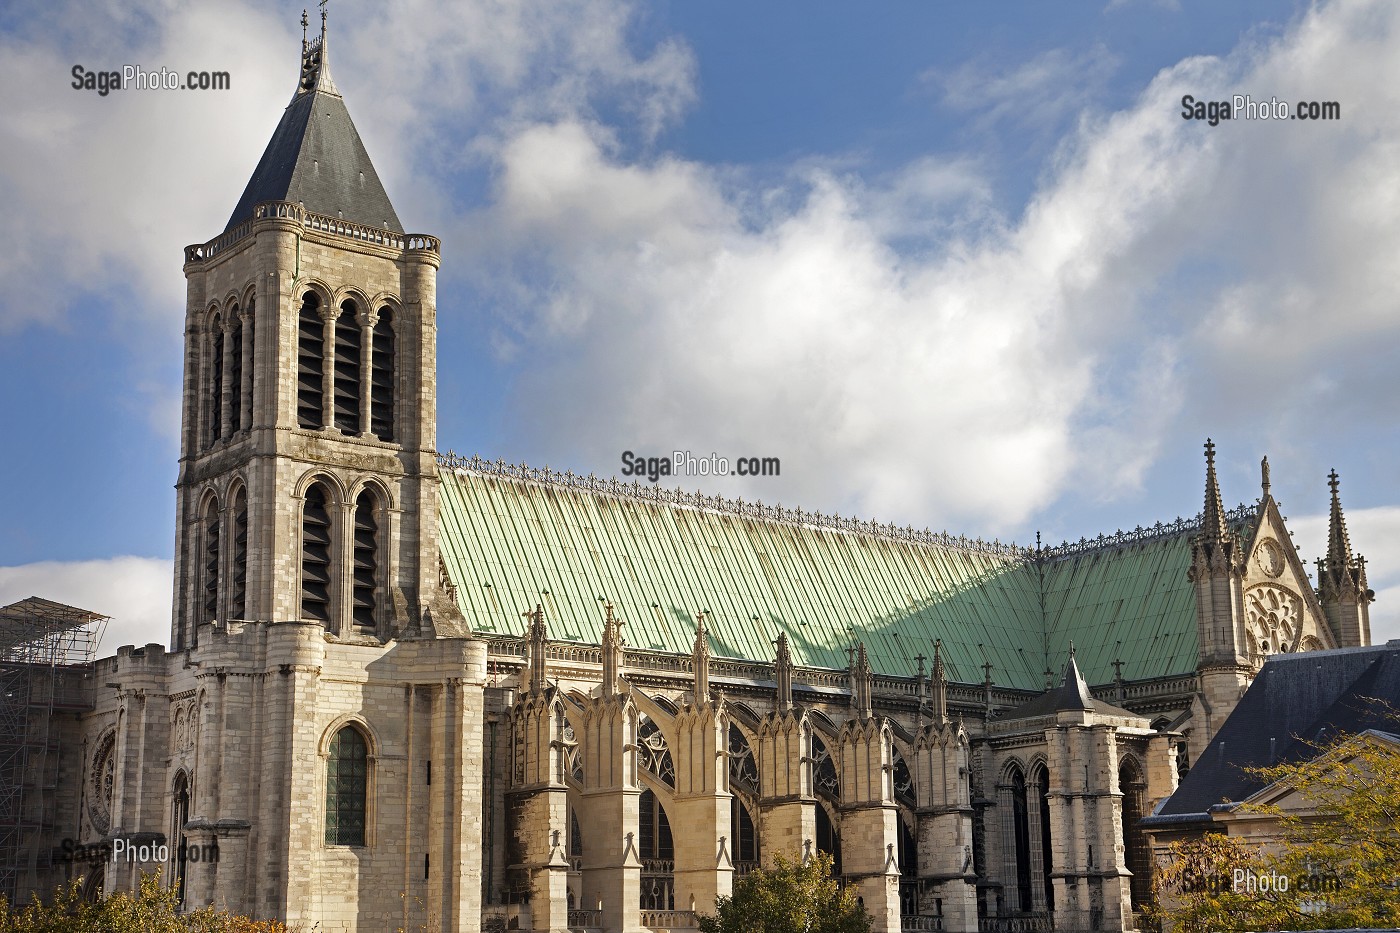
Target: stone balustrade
x,y
321,223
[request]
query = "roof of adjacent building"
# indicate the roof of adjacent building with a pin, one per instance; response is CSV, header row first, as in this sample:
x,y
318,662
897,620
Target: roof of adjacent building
x,y
1298,702
316,158
513,537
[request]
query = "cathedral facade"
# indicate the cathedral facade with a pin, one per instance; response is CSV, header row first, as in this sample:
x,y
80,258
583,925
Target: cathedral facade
x,y
409,690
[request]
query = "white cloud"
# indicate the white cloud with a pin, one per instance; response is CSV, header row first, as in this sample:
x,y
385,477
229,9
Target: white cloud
x,y
134,592
1375,535
1165,276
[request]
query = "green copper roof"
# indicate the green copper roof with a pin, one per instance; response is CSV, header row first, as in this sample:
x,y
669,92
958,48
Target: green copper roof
x,y
513,537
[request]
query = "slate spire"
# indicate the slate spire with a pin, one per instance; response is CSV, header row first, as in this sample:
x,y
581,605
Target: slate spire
x,y
315,157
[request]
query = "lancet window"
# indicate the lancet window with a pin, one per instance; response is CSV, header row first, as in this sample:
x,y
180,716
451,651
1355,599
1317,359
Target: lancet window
x,y
316,555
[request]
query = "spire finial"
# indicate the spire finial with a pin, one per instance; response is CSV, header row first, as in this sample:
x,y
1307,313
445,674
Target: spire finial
x,y
1264,476
700,661
782,667
1213,517
1338,541
612,649
940,684
304,23
539,646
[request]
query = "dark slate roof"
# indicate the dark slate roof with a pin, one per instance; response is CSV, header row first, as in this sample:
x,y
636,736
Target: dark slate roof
x,y
1297,699
315,158
1072,694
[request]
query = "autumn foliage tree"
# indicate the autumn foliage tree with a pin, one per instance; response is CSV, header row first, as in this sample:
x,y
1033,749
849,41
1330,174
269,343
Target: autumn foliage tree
x,y
790,897
152,909
1336,861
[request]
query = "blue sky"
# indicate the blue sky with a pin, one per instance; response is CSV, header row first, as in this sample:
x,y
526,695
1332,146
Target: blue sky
x,y
958,265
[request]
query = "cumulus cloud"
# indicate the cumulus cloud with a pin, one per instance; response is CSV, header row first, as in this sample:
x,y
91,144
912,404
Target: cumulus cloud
x,y
133,591
1164,275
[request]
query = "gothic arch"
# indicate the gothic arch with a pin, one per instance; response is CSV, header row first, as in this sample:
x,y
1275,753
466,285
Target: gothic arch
x,y
323,292
332,482
1137,857
353,293
323,745
374,484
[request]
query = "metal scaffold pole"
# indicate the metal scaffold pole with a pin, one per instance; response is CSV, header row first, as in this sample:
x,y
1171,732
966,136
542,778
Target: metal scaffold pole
x,y
46,659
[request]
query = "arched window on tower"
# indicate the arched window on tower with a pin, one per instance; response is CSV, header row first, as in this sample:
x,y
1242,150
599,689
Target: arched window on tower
x,y
1017,831
216,379
311,361
347,369
238,569
365,605
381,391
235,371
180,815
347,788
829,838
316,555
209,568
1042,863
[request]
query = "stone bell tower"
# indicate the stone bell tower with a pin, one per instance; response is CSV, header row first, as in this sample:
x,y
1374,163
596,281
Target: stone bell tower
x,y
307,487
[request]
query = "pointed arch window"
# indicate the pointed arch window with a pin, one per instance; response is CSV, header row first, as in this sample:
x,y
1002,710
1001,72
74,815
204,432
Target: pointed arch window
x,y
365,605
316,555
658,854
209,568
235,371
238,569
180,815
381,391
311,346
1042,862
1137,855
347,369
216,379
347,788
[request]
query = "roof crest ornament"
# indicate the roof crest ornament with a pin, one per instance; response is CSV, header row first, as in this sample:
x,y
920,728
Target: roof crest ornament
x,y
1264,476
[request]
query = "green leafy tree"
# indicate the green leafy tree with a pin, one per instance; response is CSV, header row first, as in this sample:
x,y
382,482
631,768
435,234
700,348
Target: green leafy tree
x,y
790,897
1335,864
152,909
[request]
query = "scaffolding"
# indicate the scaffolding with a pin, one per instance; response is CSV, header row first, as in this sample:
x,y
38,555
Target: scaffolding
x,y
46,662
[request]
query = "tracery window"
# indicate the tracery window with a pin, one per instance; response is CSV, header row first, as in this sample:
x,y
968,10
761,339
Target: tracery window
x,y
743,769
903,782
316,555
658,854
347,785
180,815
311,346
824,776
652,752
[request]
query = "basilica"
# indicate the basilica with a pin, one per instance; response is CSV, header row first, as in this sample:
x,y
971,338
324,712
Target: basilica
x,y
409,690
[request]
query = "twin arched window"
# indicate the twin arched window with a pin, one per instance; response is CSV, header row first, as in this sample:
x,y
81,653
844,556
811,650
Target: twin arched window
x,y
228,363
347,788
320,545
358,356
221,587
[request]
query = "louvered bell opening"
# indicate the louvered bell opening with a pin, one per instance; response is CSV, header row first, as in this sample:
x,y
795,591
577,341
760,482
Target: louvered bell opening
x,y
381,387
311,345
366,559
235,375
216,384
211,562
238,592
347,370
316,557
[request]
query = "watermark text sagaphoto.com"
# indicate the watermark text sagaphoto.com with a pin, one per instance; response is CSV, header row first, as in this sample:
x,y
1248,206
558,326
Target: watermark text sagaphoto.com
x,y
140,79
1245,107
127,850
685,463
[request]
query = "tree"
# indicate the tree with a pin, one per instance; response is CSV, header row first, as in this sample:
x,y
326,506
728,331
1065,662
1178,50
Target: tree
x,y
1335,862
790,897
153,909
